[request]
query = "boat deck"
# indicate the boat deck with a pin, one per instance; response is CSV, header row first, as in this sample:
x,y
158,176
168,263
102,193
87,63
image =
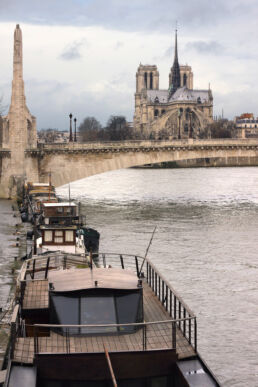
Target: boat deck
x,y
158,336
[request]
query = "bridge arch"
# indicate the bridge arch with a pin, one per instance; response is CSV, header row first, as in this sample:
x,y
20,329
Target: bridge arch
x,y
77,161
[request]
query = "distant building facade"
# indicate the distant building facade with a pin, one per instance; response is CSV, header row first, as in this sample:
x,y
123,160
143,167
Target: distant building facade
x,y
247,125
47,136
177,112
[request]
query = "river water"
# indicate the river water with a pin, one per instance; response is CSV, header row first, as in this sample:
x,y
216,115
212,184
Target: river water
x,y
206,245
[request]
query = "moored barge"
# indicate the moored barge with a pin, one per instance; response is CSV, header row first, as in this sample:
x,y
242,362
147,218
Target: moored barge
x,y
117,324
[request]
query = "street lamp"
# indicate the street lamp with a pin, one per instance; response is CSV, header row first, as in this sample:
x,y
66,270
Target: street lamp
x,y
71,130
75,138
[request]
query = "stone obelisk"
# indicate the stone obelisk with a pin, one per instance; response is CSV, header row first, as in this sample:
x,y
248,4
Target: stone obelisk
x,y
19,129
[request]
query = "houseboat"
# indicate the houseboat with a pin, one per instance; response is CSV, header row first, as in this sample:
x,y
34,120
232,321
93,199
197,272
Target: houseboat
x,y
119,324
55,220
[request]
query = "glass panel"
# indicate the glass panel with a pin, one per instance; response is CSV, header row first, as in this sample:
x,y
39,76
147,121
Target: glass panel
x,y
58,240
48,236
69,236
60,209
59,233
64,310
129,308
98,310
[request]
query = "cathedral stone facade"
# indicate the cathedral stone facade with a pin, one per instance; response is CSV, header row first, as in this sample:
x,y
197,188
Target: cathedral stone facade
x,y
173,113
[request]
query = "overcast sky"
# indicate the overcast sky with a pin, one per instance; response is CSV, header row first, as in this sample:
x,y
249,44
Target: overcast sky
x,y
81,56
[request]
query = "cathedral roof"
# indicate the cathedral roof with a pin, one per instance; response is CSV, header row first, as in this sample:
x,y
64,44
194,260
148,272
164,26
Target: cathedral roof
x,y
181,94
162,96
185,94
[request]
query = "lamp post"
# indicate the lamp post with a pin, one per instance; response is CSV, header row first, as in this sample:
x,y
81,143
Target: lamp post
x,y
75,138
71,130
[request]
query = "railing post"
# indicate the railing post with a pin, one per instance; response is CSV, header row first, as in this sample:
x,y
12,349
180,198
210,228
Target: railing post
x,y
190,331
159,288
163,292
166,297
170,306
46,271
155,283
174,307
179,314
137,266
173,334
144,338
184,324
104,260
147,266
33,270
122,261
67,340
195,335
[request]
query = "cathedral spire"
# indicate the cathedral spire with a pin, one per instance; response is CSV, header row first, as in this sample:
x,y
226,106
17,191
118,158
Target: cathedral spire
x,y
175,78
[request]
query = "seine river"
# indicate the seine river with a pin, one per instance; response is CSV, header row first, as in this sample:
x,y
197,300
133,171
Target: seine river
x,y
206,245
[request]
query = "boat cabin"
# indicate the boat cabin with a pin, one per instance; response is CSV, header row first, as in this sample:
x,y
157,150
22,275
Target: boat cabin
x,y
61,213
60,237
95,297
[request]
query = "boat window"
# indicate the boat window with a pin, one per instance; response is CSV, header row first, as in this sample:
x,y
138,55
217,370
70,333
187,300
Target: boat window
x,y
129,309
48,236
60,209
96,307
98,310
69,236
64,310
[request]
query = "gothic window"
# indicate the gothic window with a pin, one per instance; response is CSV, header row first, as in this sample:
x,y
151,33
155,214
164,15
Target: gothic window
x,y
156,100
186,128
163,111
199,100
151,81
145,80
156,113
185,80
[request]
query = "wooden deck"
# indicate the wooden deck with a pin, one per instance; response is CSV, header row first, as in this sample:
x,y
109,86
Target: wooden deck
x,y
158,336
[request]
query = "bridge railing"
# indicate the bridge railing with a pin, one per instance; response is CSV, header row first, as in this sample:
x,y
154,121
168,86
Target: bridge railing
x,y
151,143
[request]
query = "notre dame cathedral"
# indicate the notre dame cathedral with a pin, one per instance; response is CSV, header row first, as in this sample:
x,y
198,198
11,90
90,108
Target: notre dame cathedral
x,y
175,113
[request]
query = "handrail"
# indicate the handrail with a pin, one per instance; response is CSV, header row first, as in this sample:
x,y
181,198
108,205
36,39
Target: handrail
x,y
180,313
108,325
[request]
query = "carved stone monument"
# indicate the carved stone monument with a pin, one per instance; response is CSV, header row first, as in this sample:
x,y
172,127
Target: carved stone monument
x,y
19,131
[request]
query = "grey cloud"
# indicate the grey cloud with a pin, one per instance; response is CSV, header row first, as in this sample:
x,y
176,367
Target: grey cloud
x,y
72,52
204,47
140,15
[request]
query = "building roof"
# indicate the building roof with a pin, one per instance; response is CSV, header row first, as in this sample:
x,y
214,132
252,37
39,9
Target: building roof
x,y
162,95
78,279
181,94
185,94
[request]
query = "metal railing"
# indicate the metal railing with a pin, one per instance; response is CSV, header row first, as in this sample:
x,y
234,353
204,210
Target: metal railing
x,y
180,314
170,299
51,338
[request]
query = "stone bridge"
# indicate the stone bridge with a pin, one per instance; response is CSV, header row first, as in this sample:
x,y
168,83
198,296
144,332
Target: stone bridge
x,y
21,158
74,161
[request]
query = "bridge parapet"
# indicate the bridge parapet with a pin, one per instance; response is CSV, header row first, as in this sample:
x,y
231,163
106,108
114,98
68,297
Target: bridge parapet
x,y
188,143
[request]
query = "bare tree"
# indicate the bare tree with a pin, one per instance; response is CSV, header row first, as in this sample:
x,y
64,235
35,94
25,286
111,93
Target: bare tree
x,y
118,129
90,129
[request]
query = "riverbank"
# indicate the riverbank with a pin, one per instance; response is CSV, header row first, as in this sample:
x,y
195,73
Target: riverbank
x,y
207,162
12,248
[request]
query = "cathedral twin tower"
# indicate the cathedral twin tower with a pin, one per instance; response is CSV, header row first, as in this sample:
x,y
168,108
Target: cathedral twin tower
x,y
176,112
